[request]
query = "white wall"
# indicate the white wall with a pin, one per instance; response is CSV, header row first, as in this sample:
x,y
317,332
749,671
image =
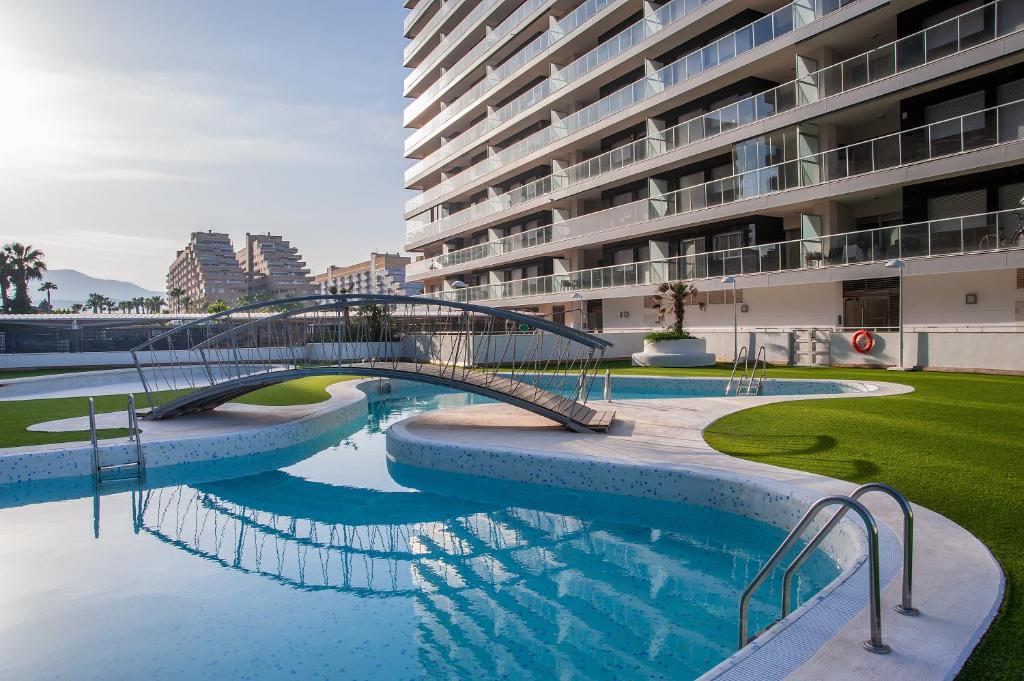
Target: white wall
x,y
939,298
805,305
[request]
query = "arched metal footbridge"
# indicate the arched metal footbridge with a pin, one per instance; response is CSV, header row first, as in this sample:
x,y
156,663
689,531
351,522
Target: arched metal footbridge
x,y
521,359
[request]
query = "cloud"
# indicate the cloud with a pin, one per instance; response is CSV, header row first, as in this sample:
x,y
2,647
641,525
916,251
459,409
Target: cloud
x,y
89,125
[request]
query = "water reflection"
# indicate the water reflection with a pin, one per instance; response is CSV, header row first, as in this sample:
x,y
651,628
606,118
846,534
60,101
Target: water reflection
x,y
503,578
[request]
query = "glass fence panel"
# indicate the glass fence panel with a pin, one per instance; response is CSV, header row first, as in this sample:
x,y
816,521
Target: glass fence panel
x,y
914,240
940,41
914,145
947,137
980,232
886,152
945,236
882,62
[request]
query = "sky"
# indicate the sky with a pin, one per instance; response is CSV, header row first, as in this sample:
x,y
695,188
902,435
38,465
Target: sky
x,y
125,125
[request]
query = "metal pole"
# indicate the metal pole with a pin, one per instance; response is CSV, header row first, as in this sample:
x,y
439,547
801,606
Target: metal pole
x,y
95,444
735,324
902,267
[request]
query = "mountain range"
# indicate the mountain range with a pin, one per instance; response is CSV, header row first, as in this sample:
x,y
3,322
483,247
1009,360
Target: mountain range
x,y
74,287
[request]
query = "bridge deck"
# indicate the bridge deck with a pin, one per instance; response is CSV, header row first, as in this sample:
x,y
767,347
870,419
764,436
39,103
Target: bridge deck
x,y
565,406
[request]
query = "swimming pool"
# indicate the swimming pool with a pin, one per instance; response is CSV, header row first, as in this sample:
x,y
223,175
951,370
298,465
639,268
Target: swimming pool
x,y
325,561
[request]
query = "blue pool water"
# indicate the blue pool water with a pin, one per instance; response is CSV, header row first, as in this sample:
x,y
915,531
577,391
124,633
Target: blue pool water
x,y
658,387
326,562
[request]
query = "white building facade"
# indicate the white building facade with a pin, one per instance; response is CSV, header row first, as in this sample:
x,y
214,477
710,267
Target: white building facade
x,y
570,156
383,273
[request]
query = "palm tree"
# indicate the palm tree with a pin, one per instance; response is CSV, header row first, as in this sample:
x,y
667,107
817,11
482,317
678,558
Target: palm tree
x,y
671,299
186,302
48,287
155,304
5,279
95,301
77,307
176,294
25,264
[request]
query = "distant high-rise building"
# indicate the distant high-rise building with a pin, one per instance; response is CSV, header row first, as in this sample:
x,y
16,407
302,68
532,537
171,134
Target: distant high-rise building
x,y
382,273
205,271
273,268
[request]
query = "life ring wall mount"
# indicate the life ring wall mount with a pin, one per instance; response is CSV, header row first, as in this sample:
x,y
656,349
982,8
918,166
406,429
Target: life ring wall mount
x,y
862,341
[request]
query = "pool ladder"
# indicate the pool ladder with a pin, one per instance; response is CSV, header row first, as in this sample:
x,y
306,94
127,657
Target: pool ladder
x,y
752,383
118,472
874,644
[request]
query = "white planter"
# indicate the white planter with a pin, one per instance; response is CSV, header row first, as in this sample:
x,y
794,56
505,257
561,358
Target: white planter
x,y
689,352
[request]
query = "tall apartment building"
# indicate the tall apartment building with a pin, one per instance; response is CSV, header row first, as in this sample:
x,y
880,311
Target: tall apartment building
x,y
206,271
273,268
383,273
572,154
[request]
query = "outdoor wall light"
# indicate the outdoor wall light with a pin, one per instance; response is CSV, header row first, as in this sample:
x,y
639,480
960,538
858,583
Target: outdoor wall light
x,y
971,299
624,314
744,308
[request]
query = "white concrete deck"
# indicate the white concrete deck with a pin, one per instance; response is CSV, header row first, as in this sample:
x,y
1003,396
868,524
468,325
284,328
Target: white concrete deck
x,y
958,585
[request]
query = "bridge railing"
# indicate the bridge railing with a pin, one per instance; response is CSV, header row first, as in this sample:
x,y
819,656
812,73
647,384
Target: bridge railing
x,y
523,357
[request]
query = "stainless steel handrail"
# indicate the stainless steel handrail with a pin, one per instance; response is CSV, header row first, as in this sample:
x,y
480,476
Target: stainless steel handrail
x,y
762,357
135,433
874,644
95,444
906,606
735,365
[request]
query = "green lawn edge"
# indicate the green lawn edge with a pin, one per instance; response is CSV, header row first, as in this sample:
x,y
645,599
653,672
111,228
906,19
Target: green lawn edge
x,y
16,416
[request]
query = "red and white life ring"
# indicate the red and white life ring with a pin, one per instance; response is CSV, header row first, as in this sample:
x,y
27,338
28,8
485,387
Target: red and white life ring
x,y
862,341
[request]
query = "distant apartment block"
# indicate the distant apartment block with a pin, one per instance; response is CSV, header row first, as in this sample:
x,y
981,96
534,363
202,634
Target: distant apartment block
x,y
205,271
383,273
570,155
273,268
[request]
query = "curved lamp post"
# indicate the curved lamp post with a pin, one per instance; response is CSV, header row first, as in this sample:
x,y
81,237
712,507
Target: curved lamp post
x,y
898,265
735,323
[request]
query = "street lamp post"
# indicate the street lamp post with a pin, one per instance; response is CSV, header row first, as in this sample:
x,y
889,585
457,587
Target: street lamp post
x,y
579,307
898,265
735,320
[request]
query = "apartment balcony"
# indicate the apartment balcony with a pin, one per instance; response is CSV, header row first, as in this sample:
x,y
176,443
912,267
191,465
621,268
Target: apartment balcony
x,y
417,13
902,64
995,239
990,137
660,24
520,64
667,81
474,24
425,35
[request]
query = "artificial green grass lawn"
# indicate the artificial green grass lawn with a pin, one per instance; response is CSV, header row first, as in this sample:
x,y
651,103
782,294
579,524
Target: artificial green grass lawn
x,y
16,416
955,445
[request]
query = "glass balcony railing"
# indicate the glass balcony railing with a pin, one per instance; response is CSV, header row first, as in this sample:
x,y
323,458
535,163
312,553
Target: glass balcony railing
x,y
986,232
965,31
414,15
986,128
664,16
469,21
723,50
442,13
579,16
